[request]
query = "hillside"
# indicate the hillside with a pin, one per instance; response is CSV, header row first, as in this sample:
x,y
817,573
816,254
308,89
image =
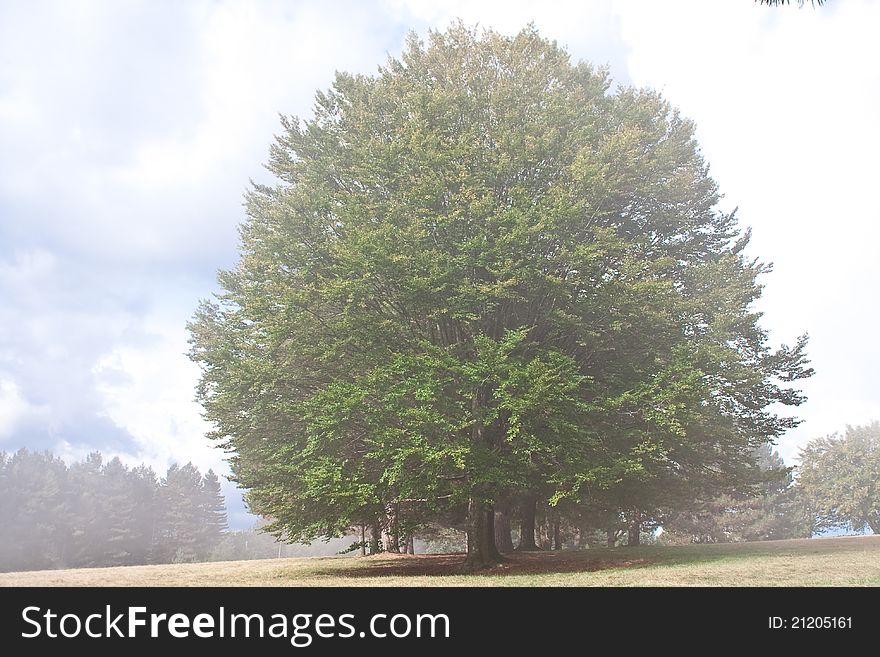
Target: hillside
x,y
841,561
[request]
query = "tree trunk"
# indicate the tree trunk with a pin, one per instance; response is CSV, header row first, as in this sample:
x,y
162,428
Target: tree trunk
x,y
375,533
503,540
611,537
634,531
392,531
874,523
363,539
557,542
411,545
490,531
482,552
527,524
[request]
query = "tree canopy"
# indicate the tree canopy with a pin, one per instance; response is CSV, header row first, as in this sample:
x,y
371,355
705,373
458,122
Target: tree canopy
x,y
839,478
486,272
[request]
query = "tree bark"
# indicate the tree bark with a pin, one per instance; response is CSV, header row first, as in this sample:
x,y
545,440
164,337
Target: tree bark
x,y
410,545
527,524
634,531
503,540
363,539
375,533
611,537
490,529
557,542
874,524
482,552
392,528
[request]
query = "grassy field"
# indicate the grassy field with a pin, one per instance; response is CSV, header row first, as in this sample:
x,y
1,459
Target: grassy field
x,y
843,561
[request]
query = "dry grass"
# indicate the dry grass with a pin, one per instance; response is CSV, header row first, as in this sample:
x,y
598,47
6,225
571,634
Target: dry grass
x,y
842,561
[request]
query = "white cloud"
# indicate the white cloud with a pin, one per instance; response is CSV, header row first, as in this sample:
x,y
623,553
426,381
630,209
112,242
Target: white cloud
x,y
145,144
150,393
13,408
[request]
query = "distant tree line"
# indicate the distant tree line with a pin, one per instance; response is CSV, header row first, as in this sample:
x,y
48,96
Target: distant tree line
x,y
93,513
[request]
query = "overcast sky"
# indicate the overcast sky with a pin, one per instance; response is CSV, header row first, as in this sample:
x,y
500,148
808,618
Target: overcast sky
x,y
129,132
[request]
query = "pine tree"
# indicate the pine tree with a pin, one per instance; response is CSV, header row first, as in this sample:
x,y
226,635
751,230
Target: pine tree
x,y
213,512
180,526
87,520
121,533
146,514
34,509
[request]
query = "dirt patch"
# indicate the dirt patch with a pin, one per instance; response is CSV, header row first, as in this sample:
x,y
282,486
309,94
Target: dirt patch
x,y
518,563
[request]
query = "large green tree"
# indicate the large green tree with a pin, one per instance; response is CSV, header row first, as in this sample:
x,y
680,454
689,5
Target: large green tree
x,y
484,275
839,478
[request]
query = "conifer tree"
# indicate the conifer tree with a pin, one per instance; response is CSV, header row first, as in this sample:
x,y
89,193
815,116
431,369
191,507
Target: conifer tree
x,y
213,514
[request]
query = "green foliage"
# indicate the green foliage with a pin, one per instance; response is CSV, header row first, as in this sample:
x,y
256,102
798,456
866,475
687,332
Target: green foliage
x,y
839,479
482,272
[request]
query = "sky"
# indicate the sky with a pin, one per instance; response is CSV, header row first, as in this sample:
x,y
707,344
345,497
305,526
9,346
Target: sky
x,y
129,132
